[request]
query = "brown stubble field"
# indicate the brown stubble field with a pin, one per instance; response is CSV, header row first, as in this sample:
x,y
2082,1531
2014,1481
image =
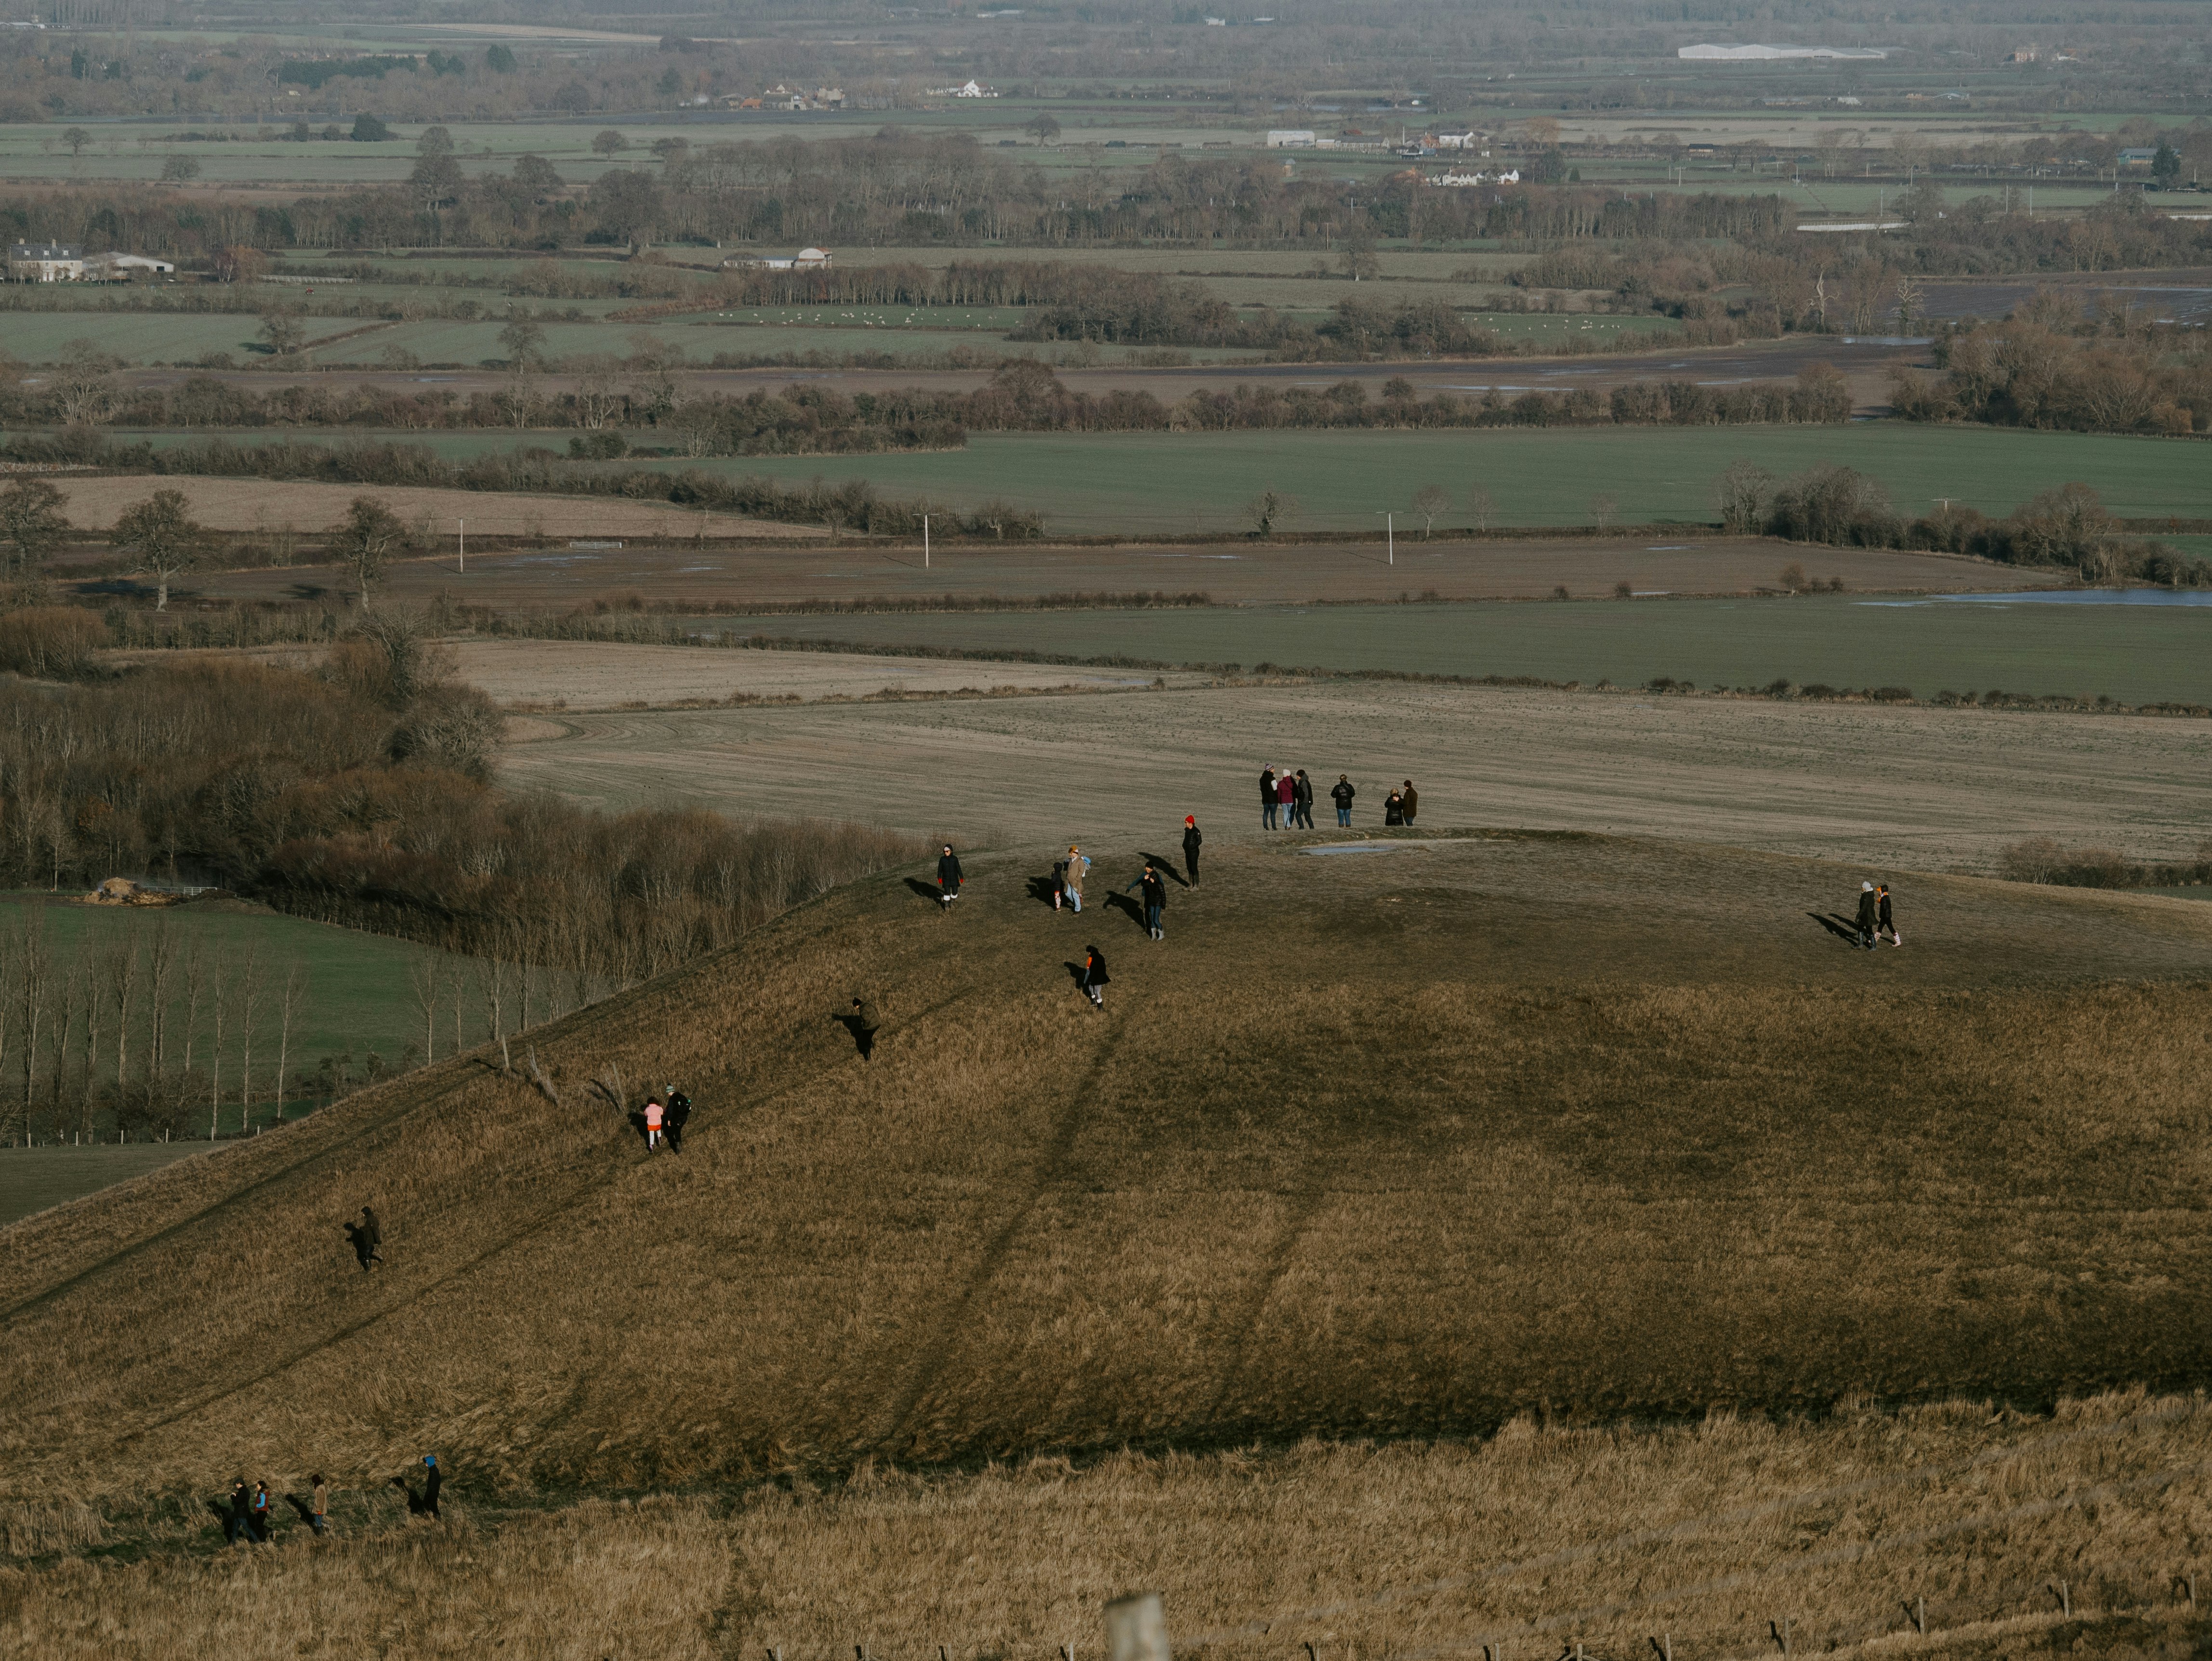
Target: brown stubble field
x,y
1232,573
1918,788
1489,1131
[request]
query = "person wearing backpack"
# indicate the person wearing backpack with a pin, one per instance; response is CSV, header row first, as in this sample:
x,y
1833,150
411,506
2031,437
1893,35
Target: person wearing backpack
x,y
675,1113
1341,794
1078,863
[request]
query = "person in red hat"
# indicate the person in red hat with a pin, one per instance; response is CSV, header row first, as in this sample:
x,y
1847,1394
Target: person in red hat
x,y
1191,841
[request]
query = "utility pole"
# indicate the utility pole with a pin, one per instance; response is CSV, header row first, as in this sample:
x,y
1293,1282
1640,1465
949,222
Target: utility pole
x,y
464,524
925,542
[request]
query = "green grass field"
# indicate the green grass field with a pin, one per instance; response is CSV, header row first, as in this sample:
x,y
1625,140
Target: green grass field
x,y
1180,483
151,337
33,1178
2136,655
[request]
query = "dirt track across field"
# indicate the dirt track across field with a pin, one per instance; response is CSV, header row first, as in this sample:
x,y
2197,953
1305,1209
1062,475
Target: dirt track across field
x,y
1918,788
1230,573
269,505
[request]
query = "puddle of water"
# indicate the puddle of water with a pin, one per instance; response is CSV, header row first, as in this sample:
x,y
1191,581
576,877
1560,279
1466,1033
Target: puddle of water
x,y
2088,597
1368,848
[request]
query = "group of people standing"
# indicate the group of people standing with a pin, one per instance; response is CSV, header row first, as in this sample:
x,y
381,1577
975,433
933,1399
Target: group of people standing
x,y
1286,800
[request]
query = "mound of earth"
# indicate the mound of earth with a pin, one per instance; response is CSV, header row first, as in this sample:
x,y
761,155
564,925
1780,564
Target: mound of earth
x,y
1405,1140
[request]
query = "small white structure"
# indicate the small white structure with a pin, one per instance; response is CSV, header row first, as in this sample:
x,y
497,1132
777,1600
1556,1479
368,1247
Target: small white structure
x,y
1764,54
1292,138
806,260
1458,138
44,261
1461,181
114,266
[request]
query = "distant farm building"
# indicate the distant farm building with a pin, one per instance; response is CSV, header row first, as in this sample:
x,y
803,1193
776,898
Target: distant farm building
x,y
1752,54
60,262
806,260
969,89
1292,138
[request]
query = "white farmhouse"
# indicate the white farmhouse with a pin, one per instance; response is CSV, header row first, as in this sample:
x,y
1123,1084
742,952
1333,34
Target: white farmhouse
x,y
44,261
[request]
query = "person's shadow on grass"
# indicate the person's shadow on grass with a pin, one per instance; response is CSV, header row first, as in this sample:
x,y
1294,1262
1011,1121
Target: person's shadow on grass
x,y
929,890
1166,868
1836,926
1128,908
1042,888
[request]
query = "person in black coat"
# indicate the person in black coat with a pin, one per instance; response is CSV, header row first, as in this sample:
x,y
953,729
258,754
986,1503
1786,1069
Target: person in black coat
x,y
1341,794
1393,809
1869,915
1156,901
1302,797
948,876
1094,976
1267,800
676,1111
436,1481
1885,920
240,1520
1192,841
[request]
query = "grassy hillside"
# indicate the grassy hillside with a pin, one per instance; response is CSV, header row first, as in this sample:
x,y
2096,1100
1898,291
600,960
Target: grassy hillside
x,y
1395,1143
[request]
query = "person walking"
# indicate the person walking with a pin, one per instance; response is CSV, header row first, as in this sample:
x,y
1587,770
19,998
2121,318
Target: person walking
x,y
674,1115
1287,798
1409,800
1303,797
654,1115
1058,883
949,878
431,1485
1192,842
1094,976
1078,863
1156,900
369,1239
1885,922
1267,800
261,1513
1393,809
240,1520
1341,794
1869,914
318,1505
866,1023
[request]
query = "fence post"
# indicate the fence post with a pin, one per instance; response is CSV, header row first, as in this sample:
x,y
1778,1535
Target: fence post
x,y
2065,1600
1666,1645
1136,1629
1920,1615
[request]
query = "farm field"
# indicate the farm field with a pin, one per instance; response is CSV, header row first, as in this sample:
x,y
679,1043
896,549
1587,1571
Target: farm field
x,y
807,568
33,1178
151,337
1919,789
1187,483
2136,654
269,505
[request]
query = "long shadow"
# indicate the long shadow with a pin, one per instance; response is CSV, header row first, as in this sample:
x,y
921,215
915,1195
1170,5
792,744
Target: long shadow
x,y
1837,926
357,1237
1074,973
304,1509
864,1037
929,890
1042,888
1127,906
1171,869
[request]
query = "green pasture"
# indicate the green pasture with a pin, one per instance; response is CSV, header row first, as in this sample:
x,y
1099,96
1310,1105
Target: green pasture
x,y
999,319
1175,482
2134,654
356,993
33,1179
151,337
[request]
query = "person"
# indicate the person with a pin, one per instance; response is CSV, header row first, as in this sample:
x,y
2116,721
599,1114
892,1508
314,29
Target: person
x,y
318,1505
1304,798
369,1239
1885,920
1287,798
1409,800
1058,882
1192,842
432,1484
1078,863
1094,976
948,876
1393,809
653,1114
240,1520
674,1115
261,1511
1267,800
865,1023
1341,794
1156,900
1869,915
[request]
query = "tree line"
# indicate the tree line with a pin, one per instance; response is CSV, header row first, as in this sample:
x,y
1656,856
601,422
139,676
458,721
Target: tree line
x,y
2038,368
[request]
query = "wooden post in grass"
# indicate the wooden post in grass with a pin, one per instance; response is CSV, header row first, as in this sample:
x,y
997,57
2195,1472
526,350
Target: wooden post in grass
x,y
925,542
1920,1616
1136,1629
2065,1600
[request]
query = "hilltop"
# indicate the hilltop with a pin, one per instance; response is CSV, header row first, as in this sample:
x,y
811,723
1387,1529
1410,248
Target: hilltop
x,y
1400,1143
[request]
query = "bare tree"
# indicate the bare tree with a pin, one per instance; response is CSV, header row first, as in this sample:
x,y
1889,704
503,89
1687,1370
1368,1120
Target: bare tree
x,y
160,962
162,537
499,986
1429,500
457,985
34,965
1264,511
195,979
426,976
288,1012
367,537
92,1004
1481,507
119,971
1603,506
252,987
222,996
1741,494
